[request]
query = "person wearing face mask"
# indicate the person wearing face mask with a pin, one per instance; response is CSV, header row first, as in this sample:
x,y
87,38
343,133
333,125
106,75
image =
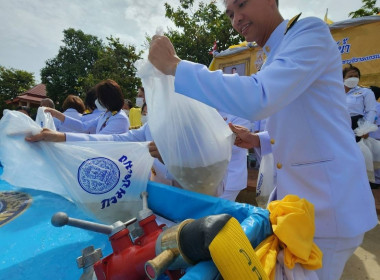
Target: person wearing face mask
x,y
361,102
144,114
92,111
135,113
127,106
110,102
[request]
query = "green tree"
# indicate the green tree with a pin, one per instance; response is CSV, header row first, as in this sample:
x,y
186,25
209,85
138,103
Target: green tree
x,y
116,62
197,30
13,82
64,73
368,9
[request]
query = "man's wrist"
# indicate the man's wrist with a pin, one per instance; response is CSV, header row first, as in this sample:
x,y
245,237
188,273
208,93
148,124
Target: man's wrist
x,y
176,66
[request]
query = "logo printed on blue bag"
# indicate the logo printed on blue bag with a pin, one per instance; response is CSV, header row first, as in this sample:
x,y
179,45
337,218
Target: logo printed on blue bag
x,y
12,205
98,175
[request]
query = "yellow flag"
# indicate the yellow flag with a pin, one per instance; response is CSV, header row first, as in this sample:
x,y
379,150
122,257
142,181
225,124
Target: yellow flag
x,y
326,19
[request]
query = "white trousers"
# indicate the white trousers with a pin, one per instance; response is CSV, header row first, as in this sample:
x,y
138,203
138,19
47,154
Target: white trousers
x,y
336,252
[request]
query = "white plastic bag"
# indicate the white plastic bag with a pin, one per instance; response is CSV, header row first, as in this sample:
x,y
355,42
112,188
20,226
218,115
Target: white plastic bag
x,y
368,159
193,139
365,127
374,146
104,178
45,120
265,180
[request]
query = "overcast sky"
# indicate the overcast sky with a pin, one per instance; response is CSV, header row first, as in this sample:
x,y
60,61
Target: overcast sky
x,y
31,30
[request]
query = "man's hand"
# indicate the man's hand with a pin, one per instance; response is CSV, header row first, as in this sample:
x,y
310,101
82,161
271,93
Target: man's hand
x,y
154,151
162,55
244,138
48,136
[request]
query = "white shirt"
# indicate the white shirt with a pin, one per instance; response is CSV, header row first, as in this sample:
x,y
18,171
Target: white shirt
x,y
362,101
70,112
90,116
105,123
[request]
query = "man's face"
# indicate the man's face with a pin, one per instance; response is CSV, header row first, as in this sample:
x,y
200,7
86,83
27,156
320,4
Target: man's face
x,y
251,18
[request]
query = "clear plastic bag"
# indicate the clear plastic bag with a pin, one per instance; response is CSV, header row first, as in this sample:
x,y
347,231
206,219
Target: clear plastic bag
x,y
265,180
103,178
193,139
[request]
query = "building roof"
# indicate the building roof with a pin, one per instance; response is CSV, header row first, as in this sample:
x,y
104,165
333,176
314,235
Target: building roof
x,y
39,90
33,95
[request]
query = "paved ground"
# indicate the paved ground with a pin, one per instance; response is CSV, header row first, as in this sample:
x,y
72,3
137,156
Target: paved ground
x,y
365,263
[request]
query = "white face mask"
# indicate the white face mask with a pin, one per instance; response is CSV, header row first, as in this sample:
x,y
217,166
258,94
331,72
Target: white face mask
x,y
126,112
139,102
351,82
144,119
99,106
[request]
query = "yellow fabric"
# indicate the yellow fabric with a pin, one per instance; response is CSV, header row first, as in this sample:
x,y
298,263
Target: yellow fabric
x,y
267,253
233,254
292,221
135,118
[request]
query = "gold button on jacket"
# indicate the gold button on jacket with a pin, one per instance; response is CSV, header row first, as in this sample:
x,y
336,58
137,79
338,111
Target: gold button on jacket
x,y
279,165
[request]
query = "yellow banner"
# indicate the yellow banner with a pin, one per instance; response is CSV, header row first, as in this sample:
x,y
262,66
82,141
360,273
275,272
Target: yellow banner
x,y
360,46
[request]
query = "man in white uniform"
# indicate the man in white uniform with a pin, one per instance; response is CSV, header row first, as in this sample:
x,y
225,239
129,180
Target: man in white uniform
x,y
300,91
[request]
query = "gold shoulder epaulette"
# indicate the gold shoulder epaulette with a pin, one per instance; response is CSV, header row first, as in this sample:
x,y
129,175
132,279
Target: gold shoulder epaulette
x,y
292,22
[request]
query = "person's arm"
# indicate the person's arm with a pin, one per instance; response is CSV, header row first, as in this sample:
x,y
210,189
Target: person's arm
x,y
370,106
115,125
295,68
79,126
48,136
55,114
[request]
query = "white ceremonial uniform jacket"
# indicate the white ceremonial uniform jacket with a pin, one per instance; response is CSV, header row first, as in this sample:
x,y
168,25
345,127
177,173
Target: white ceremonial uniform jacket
x,y
362,101
300,90
106,123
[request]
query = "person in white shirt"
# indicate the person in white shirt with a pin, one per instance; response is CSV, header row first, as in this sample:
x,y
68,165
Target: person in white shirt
x,y
91,112
361,102
72,107
300,91
112,121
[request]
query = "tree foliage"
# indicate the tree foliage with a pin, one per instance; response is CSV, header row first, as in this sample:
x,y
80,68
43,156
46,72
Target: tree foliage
x,y
84,60
116,62
197,30
62,75
368,9
13,82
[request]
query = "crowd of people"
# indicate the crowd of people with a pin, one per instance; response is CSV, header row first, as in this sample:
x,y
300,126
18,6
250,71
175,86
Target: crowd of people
x,y
300,107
